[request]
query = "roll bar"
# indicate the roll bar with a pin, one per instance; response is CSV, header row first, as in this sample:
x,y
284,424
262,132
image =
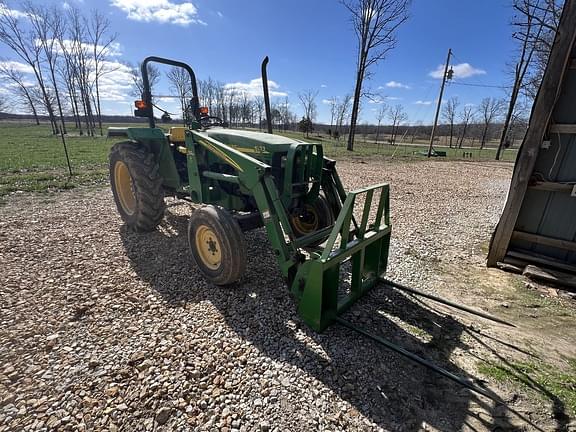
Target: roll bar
x,y
147,94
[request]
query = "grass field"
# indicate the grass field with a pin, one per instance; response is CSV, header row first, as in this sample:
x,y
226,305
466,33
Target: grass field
x,y
32,159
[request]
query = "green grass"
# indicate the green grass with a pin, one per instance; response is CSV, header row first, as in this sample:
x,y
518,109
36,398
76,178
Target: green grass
x,y
337,149
557,385
32,159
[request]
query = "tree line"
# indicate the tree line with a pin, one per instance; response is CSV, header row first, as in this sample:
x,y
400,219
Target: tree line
x,y
66,53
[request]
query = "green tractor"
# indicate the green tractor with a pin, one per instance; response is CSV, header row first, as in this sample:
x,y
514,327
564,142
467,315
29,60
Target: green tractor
x,y
243,180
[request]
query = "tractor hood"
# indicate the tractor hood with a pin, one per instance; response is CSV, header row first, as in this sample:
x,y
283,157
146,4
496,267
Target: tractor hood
x,y
252,140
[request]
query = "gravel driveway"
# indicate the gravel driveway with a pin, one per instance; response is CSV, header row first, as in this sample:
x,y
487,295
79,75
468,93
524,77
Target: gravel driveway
x,y
105,329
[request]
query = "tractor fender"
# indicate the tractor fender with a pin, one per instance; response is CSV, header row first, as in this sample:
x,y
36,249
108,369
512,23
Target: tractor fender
x,y
156,142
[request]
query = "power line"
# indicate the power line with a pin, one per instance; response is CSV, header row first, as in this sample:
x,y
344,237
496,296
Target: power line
x,y
479,82
481,85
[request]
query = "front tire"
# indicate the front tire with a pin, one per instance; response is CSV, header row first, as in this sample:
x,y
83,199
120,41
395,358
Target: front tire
x,y
217,245
137,186
313,217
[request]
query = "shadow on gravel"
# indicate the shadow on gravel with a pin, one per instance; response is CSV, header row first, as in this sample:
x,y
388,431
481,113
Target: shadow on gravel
x,y
386,388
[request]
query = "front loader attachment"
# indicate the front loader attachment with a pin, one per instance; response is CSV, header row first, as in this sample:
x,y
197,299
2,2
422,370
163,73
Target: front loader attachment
x,y
364,244
356,245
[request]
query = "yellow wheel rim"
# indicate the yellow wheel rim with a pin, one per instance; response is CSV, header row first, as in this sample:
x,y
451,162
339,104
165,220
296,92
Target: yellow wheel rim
x,y
306,223
208,247
124,187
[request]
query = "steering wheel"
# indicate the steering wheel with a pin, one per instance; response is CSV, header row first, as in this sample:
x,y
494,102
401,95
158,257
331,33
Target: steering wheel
x,y
211,121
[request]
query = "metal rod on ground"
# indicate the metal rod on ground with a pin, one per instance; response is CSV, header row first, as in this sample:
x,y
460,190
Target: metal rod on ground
x,y
266,94
439,103
446,302
420,360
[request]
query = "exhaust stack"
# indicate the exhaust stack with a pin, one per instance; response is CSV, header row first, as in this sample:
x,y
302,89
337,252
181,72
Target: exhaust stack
x,y
266,94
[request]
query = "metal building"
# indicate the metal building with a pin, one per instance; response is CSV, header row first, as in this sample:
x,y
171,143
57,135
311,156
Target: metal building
x,y
538,224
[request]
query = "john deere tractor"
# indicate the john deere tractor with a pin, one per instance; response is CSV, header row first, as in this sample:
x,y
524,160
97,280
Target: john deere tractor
x,y
242,180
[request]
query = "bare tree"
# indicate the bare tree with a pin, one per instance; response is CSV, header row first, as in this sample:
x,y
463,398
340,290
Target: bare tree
x,y
544,18
22,88
220,94
24,43
397,116
308,100
532,29
343,113
153,79
287,115
4,103
333,102
181,85
83,67
230,97
488,110
449,114
46,25
259,107
375,23
14,35
101,40
380,116
466,117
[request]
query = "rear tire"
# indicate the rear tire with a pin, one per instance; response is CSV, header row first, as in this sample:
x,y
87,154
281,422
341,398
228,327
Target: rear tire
x,y
137,186
217,245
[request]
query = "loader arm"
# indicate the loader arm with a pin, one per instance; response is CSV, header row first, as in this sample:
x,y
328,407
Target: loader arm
x,y
255,176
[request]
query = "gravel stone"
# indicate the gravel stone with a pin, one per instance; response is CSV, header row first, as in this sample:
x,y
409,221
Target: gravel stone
x,y
104,328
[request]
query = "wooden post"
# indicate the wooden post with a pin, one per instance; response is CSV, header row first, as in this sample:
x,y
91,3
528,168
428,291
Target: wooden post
x,y
539,121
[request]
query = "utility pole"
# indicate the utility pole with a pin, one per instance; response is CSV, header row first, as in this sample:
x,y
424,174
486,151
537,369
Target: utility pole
x,y
449,76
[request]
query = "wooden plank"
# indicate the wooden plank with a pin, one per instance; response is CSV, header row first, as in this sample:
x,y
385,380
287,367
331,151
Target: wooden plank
x,y
533,257
539,120
553,187
563,128
516,262
510,267
547,275
543,240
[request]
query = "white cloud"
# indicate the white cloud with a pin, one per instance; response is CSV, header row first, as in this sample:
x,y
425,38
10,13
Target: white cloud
x,y
323,86
421,102
392,98
220,14
326,101
114,49
162,11
12,12
116,82
17,66
462,70
396,84
254,88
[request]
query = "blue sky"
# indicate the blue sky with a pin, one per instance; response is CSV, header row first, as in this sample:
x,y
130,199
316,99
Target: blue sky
x,y
311,46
